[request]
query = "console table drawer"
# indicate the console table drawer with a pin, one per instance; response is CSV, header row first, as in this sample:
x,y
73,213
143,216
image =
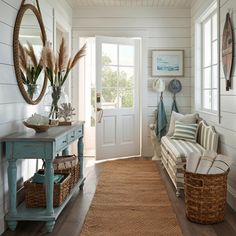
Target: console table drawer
x,y
79,132
61,143
28,150
72,136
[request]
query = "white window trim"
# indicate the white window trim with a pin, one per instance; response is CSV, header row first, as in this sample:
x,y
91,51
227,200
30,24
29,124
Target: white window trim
x,y
215,117
208,17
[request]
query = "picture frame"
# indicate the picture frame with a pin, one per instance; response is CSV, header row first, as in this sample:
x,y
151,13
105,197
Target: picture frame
x,y
168,63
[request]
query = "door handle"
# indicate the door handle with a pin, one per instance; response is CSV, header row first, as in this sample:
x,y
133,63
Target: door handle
x,y
101,114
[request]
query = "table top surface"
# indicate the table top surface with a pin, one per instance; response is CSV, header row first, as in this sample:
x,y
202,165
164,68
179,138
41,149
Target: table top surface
x,y
51,135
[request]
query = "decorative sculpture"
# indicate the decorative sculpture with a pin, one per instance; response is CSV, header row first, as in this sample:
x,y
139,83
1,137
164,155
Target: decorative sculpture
x,y
65,112
227,51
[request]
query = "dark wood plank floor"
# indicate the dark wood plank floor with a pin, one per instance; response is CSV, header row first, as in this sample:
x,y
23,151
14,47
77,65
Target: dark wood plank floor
x,y
71,220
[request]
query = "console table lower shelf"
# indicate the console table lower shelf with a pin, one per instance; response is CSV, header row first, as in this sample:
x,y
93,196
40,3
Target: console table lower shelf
x,y
40,214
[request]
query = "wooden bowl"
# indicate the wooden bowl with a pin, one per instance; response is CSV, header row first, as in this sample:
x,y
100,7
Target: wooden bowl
x,y
39,128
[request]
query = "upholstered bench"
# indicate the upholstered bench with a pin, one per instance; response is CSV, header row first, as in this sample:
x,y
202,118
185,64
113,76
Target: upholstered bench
x,y
175,151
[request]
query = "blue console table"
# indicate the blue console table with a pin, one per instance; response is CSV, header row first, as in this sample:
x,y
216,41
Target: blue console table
x,y
47,145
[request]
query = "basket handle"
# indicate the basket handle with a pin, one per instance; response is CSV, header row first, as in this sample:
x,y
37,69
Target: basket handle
x,y
197,180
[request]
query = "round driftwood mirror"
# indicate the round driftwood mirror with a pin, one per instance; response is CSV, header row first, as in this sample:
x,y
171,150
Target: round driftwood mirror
x,y
29,39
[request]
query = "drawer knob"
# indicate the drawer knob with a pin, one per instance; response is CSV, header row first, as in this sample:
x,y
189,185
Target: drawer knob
x,y
72,136
64,141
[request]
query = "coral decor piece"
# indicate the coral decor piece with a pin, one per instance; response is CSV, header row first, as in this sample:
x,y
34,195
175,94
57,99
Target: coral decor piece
x,y
66,111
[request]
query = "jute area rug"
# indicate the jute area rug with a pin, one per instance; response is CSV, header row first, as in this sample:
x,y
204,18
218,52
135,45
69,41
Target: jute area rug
x,y
130,199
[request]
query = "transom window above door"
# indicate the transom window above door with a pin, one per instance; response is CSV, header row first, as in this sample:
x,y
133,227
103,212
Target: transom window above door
x,y
118,76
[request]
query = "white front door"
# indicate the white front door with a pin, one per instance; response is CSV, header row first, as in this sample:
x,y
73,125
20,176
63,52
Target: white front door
x,y
117,97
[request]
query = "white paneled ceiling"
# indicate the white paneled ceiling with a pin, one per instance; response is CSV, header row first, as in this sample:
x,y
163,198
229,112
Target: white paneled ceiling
x,y
132,3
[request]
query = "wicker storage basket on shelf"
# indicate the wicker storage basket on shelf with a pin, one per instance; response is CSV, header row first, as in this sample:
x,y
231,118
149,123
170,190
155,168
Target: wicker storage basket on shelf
x,y
68,164
35,194
205,197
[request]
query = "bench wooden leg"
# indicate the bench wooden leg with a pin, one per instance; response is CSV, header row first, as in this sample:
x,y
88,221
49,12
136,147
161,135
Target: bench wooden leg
x,y
177,192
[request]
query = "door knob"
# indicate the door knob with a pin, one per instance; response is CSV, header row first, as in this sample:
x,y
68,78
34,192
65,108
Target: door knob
x,y
101,114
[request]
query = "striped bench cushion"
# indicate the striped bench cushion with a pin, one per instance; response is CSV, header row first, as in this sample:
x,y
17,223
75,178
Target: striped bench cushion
x,y
179,149
207,137
186,132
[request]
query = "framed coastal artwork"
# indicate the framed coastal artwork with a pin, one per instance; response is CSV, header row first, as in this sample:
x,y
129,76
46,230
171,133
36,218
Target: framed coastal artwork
x,y
167,63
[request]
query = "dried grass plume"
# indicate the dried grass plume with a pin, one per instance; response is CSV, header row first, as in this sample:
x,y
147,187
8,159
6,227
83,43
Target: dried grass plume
x,y
31,53
62,56
78,55
48,57
23,57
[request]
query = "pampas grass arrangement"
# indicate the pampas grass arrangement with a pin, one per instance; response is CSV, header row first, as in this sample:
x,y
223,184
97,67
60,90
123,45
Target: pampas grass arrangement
x,y
30,66
58,67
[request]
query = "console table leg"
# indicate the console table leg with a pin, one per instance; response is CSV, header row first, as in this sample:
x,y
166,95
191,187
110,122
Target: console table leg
x,y
81,155
12,225
177,192
12,171
50,226
49,186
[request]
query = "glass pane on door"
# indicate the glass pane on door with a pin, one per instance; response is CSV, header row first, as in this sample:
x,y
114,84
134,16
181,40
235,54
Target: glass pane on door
x,y
109,76
126,55
126,97
109,54
126,76
109,98
118,76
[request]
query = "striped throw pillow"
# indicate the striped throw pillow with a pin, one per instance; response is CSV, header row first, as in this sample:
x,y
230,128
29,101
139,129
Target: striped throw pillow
x,y
186,132
207,136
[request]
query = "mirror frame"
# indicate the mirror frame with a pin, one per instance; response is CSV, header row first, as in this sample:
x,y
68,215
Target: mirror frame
x,y
23,8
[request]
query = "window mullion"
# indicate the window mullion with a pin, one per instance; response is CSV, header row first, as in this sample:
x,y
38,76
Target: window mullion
x,y
202,62
118,71
212,59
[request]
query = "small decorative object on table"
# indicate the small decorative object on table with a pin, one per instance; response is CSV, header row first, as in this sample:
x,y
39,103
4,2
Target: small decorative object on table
x,y
57,70
66,111
39,123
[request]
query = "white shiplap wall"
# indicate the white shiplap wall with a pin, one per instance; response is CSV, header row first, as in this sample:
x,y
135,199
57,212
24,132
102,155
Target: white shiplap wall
x,y
13,108
227,127
161,29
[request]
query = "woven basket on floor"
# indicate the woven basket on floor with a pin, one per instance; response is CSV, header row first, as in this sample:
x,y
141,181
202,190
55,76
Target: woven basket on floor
x,y
68,164
35,194
205,197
